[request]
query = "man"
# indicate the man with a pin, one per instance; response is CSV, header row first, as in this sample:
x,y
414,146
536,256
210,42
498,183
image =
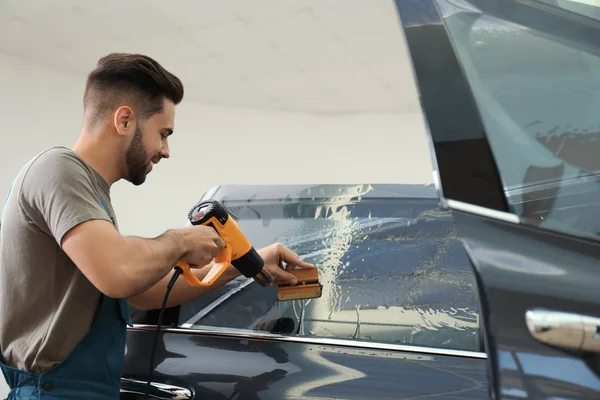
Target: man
x,y
67,274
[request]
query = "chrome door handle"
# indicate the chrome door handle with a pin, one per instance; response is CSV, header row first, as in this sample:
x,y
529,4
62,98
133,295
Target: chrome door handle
x,y
157,390
566,330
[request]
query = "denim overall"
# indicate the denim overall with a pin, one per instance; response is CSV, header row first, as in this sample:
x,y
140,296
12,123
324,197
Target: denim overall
x,y
92,371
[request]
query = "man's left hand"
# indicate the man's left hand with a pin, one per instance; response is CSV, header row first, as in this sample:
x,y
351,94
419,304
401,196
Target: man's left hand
x,y
275,256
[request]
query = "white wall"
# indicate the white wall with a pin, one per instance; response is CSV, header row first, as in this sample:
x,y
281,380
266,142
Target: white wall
x,y
212,145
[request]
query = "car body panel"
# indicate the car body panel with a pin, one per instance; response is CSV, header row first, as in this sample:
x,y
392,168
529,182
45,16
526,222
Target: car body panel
x,y
215,367
524,269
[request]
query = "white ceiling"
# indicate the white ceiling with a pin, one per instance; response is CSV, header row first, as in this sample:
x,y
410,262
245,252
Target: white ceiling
x,y
318,56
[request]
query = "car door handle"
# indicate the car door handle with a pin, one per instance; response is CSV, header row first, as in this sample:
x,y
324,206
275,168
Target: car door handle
x,y
565,330
157,390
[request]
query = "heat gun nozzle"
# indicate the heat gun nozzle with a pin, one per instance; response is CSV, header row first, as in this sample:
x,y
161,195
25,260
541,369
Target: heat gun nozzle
x,y
264,278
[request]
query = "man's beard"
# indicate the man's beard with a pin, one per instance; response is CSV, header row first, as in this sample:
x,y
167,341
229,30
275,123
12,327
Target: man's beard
x,y
136,158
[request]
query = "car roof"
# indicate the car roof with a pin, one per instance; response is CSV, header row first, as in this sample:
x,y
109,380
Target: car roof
x,y
320,191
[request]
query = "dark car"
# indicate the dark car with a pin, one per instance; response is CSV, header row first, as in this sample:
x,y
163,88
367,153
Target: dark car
x,y
511,96
484,285
399,299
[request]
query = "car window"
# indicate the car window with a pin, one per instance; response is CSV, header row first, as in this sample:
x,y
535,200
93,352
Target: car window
x,y
536,83
586,8
392,267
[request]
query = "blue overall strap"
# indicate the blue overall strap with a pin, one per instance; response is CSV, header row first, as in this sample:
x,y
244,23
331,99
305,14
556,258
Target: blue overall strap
x,y
106,209
124,303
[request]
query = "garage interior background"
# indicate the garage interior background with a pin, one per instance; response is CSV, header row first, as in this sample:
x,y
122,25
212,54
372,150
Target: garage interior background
x,y
290,91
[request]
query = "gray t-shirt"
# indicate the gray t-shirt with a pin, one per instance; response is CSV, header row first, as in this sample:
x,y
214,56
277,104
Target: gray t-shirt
x,y
46,304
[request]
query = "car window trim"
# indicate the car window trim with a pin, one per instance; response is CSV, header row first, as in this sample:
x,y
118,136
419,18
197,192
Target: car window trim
x,y
484,212
250,334
448,116
566,26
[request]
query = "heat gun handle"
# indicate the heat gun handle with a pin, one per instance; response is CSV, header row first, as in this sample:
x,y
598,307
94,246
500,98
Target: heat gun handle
x,y
222,262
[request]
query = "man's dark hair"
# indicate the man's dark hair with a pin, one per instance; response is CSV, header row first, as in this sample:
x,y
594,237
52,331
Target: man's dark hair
x,y
136,78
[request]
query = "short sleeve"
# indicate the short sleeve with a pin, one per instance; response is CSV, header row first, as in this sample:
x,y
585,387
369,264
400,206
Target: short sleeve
x,y
59,192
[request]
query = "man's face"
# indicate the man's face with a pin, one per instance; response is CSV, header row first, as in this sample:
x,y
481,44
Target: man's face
x,y
150,144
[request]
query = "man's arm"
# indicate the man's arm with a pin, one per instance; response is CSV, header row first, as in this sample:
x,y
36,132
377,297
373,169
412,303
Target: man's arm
x,y
122,267
61,196
181,292
274,257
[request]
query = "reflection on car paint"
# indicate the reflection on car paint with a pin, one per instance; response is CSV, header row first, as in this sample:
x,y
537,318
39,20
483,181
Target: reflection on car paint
x,y
527,375
337,373
236,368
515,262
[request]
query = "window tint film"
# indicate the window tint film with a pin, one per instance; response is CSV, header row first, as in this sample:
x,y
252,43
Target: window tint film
x,y
535,75
392,267
586,8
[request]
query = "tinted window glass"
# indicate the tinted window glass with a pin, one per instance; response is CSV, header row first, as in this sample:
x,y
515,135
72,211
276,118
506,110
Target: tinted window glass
x,y
536,80
587,8
393,270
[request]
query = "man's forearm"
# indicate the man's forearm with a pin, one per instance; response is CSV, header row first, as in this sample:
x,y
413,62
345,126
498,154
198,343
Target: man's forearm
x,y
181,292
149,260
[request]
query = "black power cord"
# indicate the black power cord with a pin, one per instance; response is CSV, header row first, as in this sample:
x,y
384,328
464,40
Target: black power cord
x,y
178,271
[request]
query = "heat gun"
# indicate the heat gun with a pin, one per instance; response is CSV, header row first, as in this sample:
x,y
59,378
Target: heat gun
x,y
238,251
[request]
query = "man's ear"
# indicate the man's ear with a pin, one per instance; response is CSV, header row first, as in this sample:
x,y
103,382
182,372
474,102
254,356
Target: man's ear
x,y
123,120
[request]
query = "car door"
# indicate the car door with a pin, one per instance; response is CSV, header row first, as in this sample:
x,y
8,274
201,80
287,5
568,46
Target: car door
x,y
510,91
398,317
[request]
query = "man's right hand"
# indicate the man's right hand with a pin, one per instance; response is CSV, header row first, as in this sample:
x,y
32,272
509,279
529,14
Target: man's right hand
x,y
204,243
